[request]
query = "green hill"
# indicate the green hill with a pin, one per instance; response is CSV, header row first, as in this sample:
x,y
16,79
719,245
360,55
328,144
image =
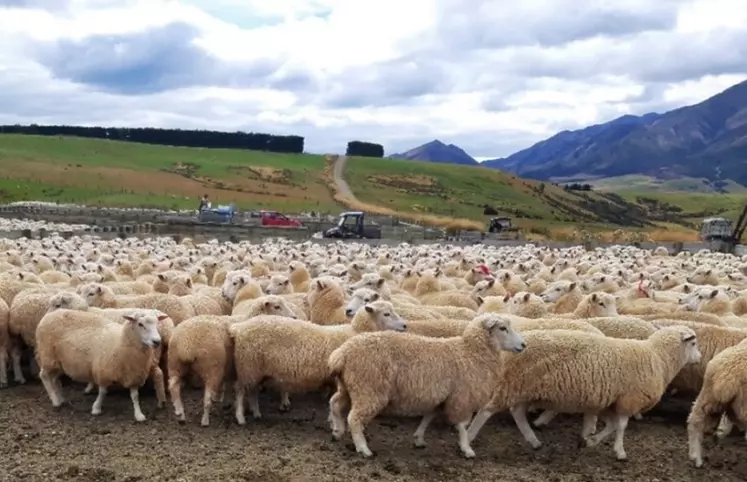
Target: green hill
x,y
116,173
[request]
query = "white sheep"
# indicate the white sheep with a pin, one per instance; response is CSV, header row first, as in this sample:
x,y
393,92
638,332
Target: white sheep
x,y
293,354
413,375
90,348
577,372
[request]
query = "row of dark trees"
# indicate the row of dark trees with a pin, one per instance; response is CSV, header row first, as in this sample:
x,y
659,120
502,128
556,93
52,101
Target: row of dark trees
x,y
364,149
255,141
577,187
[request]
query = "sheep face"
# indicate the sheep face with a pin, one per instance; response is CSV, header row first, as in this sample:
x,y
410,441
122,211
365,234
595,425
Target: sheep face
x,y
482,287
700,276
66,301
501,334
694,300
93,293
372,281
145,323
232,285
359,299
383,314
603,304
556,290
689,339
274,305
279,285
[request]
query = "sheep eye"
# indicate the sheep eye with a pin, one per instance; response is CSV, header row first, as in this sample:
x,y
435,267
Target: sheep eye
x,y
277,307
503,328
387,314
141,325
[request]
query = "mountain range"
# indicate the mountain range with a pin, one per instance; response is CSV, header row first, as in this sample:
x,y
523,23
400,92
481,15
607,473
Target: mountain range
x,y
706,140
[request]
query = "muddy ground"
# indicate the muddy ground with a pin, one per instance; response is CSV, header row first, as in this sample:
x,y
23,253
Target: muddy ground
x,y
38,443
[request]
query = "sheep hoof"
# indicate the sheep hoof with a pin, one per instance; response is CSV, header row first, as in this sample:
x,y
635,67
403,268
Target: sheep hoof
x,y
536,445
140,418
419,443
337,435
257,416
160,405
3,384
284,407
622,457
469,454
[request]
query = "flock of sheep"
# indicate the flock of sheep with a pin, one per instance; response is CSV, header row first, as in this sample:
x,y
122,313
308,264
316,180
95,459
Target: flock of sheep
x,y
401,330
9,225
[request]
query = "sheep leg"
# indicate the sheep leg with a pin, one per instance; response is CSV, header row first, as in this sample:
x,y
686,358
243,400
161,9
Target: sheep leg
x,y
175,389
357,420
285,403
49,384
239,393
638,417
15,355
96,409
545,418
589,425
89,388
3,368
419,434
620,424
156,374
599,437
338,403
477,423
207,402
135,397
725,427
519,414
700,420
464,445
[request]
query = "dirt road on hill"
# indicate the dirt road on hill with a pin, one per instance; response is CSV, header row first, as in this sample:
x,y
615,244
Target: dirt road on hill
x,y
337,175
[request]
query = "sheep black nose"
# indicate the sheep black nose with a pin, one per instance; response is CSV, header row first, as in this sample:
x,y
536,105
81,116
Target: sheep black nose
x,y
156,343
523,345
404,327
348,312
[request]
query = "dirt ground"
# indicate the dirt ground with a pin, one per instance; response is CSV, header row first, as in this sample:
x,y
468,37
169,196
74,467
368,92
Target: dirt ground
x,y
38,443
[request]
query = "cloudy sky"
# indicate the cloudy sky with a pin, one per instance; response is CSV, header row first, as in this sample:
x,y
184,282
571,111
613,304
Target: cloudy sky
x,y
491,76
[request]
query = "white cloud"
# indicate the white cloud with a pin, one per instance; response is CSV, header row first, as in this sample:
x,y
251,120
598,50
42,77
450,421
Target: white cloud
x,y
489,75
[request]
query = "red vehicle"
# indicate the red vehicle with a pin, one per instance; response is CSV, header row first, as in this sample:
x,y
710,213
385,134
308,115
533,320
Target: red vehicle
x,y
274,218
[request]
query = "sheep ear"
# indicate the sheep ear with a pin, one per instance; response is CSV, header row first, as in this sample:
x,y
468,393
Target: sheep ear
x,y
438,272
491,283
162,277
130,318
375,296
526,297
479,300
319,284
686,288
99,290
708,273
369,308
380,282
714,293
267,304
594,297
489,323
189,282
506,298
572,286
602,279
